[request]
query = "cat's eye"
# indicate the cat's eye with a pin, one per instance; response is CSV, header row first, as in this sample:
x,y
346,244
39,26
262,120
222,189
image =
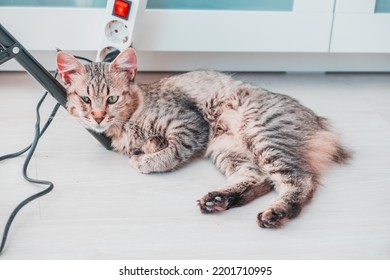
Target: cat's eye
x,y
86,99
112,99
219,130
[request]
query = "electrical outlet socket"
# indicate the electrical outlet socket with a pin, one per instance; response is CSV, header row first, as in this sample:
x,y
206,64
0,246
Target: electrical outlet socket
x,y
117,31
106,51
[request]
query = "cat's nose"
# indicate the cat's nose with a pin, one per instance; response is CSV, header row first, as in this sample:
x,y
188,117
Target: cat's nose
x,y
98,115
98,120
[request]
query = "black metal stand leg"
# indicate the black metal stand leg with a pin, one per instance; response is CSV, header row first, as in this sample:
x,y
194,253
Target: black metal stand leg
x,y
12,49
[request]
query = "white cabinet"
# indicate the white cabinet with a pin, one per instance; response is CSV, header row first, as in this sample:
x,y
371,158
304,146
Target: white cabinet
x,y
361,26
304,28
270,35
48,28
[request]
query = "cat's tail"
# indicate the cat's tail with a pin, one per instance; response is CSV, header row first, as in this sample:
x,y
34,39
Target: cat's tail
x,y
341,155
325,147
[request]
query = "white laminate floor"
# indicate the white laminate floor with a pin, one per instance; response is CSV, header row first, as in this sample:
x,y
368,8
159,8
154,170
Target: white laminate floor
x,y
102,209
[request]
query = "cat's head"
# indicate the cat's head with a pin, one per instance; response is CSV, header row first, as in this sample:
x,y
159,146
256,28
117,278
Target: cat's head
x,y
100,94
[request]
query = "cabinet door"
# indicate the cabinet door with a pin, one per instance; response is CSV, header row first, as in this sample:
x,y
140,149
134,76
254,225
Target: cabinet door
x,y
43,25
236,26
361,26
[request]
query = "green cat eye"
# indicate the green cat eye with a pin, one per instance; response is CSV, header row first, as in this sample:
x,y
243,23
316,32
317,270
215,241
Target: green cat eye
x,y
112,99
85,99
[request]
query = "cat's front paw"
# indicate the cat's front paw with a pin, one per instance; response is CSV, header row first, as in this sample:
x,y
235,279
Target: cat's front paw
x,y
213,202
272,218
139,163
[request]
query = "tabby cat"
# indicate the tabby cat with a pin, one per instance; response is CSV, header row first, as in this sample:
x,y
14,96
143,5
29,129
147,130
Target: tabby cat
x,y
262,141
158,130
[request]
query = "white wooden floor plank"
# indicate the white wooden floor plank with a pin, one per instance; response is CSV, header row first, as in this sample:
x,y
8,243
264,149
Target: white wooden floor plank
x,y
102,209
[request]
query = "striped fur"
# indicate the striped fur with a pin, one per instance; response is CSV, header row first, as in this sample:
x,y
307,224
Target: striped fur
x,y
158,130
261,141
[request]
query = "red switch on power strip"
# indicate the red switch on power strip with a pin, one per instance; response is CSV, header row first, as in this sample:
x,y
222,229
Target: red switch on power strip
x,y
121,19
121,9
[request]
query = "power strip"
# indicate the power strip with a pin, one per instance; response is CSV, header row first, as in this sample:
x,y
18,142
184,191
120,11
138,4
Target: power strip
x,y
121,18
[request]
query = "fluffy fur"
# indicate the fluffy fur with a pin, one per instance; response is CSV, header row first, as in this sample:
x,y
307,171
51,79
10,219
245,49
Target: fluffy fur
x,y
262,141
158,130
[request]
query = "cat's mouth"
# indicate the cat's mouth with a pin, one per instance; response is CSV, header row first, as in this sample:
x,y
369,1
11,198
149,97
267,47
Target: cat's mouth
x,y
96,126
99,128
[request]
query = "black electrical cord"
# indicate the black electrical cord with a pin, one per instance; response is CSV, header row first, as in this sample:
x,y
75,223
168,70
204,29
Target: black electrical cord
x,y
83,58
31,148
16,154
21,152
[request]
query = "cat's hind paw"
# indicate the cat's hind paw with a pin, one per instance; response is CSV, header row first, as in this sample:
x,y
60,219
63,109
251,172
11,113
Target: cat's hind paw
x,y
272,218
213,202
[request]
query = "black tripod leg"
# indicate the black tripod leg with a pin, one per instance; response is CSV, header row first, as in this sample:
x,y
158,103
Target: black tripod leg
x,y
13,49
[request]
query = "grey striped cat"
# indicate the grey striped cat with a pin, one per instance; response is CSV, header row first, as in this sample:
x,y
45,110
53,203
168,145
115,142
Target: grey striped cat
x,y
158,130
262,141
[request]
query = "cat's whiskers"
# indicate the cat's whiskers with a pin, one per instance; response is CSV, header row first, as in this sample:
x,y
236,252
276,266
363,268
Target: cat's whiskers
x,y
67,118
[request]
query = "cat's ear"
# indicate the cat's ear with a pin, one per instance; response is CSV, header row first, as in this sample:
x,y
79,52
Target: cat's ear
x,y
126,61
68,66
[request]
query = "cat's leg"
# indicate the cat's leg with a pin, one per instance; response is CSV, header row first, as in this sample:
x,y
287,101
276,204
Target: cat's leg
x,y
292,197
154,144
295,187
247,182
295,169
178,148
161,161
179,138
